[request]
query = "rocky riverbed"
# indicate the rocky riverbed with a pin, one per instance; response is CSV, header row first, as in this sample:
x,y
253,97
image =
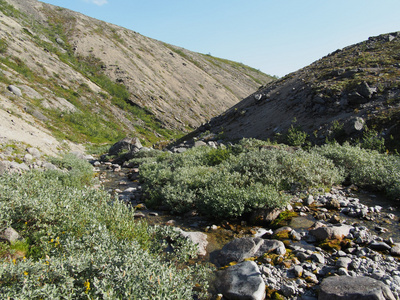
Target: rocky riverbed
x,y
336,247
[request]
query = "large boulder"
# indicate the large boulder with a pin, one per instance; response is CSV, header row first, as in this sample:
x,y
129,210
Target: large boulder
x,y
353,288
331,232
242,248
125,149
15,90
241,281
197,238
127,145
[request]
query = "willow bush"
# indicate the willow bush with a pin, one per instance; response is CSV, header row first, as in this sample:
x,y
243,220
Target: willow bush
x,y
79,243
229,182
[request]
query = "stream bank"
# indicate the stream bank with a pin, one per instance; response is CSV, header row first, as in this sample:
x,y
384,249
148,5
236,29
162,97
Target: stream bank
x,y
342,233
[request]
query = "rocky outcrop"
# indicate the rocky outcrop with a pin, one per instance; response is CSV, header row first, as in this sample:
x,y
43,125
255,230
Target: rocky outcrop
x,y
331,98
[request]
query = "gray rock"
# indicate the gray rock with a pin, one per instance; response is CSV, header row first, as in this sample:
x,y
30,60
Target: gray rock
x,y
34,152
264,216
331,232
309,200
394,251
242,248
10,235
271,246
241,281
343,262
298,271
127,145
288,290
343,272
198,238
179,150
353,288
15,90
49,166
318,258
379,246
28,157
199,144
365,90
354,125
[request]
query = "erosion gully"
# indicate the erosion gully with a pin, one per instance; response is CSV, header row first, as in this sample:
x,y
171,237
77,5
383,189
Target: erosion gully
x,y
218,234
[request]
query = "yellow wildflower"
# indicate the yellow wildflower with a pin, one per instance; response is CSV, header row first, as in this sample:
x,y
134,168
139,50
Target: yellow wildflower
x,y
26,273
87,286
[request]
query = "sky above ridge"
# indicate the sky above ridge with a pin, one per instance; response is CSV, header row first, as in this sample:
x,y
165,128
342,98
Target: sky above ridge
x,y
276,37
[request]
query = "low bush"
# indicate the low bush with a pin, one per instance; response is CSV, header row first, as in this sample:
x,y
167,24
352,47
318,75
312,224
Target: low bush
x,y
227,183
79,243
365,168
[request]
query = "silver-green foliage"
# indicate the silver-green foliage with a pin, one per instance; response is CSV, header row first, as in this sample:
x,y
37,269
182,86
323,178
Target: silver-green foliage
x,y
95,265
364,167
226,183
84,244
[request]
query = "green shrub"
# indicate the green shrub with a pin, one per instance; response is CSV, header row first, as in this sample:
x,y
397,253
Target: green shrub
x,y
227,183
371,140
286,170
295,136
364,167
80,172
216,156
80,244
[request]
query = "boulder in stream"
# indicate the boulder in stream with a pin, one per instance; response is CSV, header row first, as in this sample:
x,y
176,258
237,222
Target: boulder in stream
x,y
241,281
242,248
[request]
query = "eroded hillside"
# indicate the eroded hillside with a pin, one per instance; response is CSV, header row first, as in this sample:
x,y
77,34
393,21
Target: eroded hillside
x,y
87,80
336,97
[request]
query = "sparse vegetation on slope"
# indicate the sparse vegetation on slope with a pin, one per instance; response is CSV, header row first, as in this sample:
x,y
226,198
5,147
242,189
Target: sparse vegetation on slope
x,y
117,81
352,94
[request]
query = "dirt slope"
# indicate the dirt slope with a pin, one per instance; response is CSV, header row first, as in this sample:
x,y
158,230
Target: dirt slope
x,y
75,71
338,94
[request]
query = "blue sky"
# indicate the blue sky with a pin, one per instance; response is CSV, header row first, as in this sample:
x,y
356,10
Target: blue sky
x,y
277,37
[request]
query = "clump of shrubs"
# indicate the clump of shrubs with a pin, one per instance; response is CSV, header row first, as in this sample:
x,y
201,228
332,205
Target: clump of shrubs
x,y
230,182
79,243
364,167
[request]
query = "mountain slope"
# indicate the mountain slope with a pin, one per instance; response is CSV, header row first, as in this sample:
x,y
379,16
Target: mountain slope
x,y
88,80
336,95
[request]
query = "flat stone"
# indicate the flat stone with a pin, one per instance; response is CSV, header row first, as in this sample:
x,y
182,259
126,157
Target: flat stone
x,y
353,288
241,281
